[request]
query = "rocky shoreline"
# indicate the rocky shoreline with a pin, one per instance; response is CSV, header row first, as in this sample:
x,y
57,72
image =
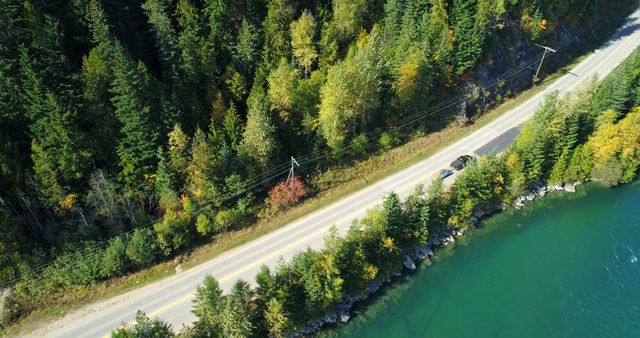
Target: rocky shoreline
x,y
445,236
542,190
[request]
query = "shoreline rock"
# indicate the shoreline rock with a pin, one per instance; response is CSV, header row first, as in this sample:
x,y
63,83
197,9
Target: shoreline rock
x,y
542,190
342,314
408,262
443,237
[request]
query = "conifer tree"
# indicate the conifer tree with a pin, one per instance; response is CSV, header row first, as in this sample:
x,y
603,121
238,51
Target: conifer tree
x,y
276,318
48,59
13,122
145,327
217,40
165,37
133,100
237,313
277,36
219,22
437,37
416,215
201,170
468,45
99,118
51,101
613,93
393,10
174,94
409,33
98,25
46,174
189,39
245,53
56,137
392,209
557,173
191,83
208,306
233,127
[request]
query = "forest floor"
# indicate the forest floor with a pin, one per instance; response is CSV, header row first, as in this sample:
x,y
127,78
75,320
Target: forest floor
x,y
334,184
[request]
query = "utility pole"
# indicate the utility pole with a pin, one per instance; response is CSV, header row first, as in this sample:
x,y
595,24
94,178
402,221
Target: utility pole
x,y
291,174
535,77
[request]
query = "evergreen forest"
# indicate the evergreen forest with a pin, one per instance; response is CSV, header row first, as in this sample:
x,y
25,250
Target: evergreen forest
x,y
591,135
132,131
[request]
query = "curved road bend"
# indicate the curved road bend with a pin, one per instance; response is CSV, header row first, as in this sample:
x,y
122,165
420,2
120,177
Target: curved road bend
x,y
171,298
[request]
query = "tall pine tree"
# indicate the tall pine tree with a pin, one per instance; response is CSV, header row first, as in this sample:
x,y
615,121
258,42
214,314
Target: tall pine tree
x,y
468,44
135,109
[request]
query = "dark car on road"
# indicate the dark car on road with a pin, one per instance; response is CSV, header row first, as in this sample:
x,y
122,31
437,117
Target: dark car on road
x,y
444,173
461,162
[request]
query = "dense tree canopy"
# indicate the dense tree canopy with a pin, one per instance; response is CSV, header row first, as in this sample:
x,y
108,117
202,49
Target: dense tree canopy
x,y
165,122
312,284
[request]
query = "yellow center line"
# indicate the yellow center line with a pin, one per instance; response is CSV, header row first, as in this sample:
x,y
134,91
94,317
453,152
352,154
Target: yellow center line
x,y
594,69
279,252
348,217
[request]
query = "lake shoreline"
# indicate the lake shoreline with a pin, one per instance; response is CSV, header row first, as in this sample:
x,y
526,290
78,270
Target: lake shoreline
x,y
412,258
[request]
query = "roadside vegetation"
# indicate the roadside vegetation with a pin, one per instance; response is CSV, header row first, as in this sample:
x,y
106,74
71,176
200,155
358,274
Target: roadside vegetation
x,y
591,135
131,134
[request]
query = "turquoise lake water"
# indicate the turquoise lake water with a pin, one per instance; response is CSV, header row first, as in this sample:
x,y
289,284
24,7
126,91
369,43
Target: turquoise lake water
x,y
565,266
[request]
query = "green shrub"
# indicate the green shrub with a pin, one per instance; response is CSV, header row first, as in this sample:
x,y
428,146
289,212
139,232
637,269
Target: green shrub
x,y
359,145
228,218
22,299
176,231
338,151
205,226
142,248
145,328
388,140
78,267
115,261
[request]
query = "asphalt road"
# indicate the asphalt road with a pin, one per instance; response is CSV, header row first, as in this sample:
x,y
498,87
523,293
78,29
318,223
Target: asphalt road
x,y
171,298
499,144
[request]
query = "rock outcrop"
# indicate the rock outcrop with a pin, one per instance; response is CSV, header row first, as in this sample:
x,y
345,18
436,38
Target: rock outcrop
x,y
542,190
446,235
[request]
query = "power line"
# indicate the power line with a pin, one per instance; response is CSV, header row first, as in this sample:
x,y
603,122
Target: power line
x,y
314,156
443,106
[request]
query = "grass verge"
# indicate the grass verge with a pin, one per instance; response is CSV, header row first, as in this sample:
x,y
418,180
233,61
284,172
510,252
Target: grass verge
x,y
333,184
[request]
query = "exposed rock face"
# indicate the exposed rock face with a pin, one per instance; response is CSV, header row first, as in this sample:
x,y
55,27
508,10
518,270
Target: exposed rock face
x,y
513,51
503,59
